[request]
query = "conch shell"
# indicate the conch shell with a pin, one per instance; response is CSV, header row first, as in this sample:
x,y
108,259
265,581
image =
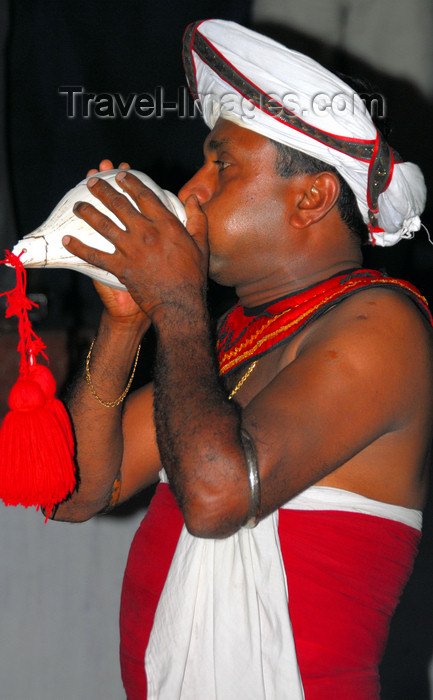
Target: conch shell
x,y
43,247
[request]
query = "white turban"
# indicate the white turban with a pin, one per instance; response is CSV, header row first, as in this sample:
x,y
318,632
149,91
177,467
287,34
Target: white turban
x,y
261,85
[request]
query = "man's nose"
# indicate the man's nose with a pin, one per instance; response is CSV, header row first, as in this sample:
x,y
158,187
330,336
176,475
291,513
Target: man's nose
x,y
197,185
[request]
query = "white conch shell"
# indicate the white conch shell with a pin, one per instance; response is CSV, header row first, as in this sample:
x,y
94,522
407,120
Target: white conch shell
x,y
43,247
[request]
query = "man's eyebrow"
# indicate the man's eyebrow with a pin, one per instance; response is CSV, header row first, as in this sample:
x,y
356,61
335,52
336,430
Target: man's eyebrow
x,y
216,144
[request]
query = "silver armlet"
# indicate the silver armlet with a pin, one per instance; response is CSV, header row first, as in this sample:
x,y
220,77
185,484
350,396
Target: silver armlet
x,y
253,475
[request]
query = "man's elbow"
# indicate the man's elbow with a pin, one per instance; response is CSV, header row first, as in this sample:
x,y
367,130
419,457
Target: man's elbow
x,y
71,512
213,517
69,517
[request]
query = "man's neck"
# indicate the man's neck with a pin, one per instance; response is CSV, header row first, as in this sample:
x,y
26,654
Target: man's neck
x,y
266,291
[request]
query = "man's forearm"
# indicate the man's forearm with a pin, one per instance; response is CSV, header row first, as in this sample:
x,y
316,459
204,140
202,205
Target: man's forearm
x,y
198,429
98,428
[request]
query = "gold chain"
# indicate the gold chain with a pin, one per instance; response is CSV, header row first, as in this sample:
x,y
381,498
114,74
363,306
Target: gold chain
x,y
242,380
116,402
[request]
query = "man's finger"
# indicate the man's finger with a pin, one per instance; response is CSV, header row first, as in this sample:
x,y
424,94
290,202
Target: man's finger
x,y
90,255
106,164
98,221
114,200
103,165
147,201
196,224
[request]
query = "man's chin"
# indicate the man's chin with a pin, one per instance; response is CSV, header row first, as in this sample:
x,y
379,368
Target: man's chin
x,y
218,273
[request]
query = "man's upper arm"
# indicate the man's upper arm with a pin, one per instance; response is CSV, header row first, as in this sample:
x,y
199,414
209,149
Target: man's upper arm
x,y
361,372
141,461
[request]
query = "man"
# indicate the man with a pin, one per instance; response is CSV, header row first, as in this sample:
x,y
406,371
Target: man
x,y
319,429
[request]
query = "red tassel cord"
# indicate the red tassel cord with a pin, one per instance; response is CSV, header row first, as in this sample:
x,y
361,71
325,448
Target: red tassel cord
x,y
36,441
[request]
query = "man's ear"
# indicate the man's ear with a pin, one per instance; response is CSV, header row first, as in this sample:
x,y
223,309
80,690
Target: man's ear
x,y
317,197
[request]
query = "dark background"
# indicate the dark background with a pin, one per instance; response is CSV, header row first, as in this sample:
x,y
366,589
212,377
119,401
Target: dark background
x,y
132,47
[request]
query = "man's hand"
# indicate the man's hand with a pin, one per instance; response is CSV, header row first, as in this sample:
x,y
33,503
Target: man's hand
x,y
160,261
119,304
107,164
164,266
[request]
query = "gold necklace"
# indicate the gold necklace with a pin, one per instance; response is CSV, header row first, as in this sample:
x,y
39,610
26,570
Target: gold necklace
x,y
242,380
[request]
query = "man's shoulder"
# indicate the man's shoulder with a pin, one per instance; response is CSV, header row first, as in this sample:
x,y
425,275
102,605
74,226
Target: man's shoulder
x,y
376,322
391,307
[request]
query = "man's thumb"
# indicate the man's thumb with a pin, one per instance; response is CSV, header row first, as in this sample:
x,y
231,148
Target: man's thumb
x,y
196,224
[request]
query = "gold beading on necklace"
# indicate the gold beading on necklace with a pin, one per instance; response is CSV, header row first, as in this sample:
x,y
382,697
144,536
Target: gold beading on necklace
x,y
242,380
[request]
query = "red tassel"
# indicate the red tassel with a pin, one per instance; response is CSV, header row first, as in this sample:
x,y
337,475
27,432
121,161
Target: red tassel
x,y
36,441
